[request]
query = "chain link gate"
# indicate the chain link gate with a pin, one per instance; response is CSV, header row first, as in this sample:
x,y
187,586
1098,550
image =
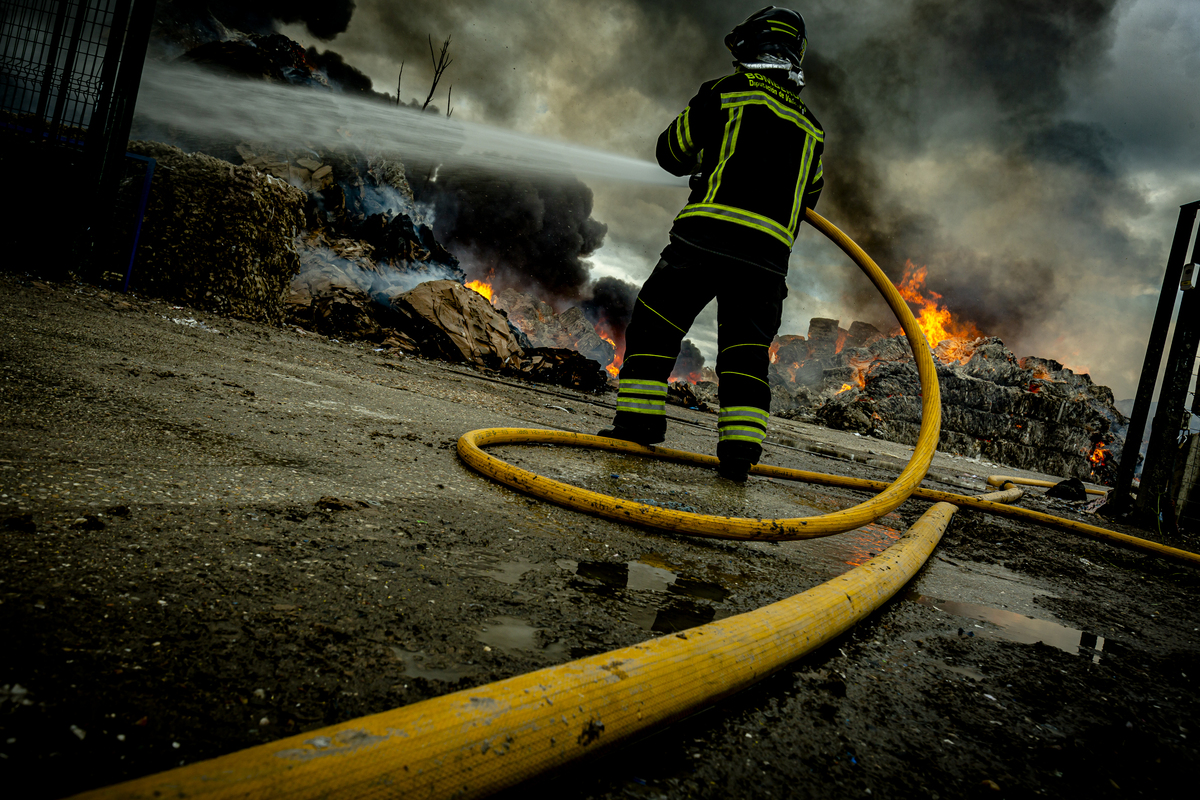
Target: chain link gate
x,y
69,75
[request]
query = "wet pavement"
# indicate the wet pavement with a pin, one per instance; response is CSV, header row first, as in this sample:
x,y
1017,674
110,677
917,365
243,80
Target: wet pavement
x,y
211,524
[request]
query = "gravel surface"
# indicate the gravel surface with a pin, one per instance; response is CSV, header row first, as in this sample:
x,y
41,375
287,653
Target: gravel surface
x,y
219,533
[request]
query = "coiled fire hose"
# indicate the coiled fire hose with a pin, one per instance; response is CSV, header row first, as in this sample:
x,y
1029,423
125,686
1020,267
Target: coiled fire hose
x,y
478,741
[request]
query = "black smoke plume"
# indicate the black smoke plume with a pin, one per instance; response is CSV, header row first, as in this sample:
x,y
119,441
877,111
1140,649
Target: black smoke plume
x,y
342,75
192,25
610,306
325,19
688,363
515,232
1007,62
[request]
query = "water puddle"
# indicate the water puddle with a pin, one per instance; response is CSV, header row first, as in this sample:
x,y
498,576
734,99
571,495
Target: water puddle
x,y
674,617
418,664
680,612
832,554
863,544
967,672
611,578
509,572
1019,627
510,633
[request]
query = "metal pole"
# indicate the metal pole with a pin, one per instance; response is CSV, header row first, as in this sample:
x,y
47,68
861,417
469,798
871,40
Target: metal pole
x,y
1119,501
60,20
64,86
140,215
1159,471
100,126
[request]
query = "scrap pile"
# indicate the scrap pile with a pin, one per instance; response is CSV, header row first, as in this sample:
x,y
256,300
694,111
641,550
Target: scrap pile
x,y
1030,412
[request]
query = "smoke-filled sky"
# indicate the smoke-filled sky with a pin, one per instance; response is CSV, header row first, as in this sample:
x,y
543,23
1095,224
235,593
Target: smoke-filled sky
x,y
1032,154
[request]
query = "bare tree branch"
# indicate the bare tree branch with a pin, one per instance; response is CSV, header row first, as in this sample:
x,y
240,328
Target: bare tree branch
x,y
398,83
440,62
449,110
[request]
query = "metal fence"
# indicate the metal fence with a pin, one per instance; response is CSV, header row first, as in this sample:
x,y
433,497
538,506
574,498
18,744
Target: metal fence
x,y
53,57
69,75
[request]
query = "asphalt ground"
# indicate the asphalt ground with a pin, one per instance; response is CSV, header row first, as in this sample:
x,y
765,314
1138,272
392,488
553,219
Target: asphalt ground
x,y
217,533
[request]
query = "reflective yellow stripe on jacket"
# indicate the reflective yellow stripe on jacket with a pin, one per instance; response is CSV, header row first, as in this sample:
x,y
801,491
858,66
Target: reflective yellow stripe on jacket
x,y
735,104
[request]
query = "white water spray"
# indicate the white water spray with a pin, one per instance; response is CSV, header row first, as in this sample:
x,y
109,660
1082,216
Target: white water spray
x,y
203,103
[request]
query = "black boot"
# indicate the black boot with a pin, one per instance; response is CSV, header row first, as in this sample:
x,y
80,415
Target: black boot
x,y
734,469
736,459
635,435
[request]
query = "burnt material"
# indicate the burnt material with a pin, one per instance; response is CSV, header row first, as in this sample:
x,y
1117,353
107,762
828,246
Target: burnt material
x,y
561,367
1031,413
1070,489
546,328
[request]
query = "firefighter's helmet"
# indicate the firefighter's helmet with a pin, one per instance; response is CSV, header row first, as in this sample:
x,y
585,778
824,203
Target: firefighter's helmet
x,y
773,32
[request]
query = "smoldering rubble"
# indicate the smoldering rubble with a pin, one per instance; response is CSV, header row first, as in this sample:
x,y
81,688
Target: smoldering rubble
x,y
1030,412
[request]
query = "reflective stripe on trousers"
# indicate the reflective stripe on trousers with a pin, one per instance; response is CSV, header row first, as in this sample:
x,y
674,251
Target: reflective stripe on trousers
x,y
743,424
642,397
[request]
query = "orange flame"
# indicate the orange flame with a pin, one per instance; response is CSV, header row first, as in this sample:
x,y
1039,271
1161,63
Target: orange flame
x,y
845,388
841,340
1099,454
614,367
935,320
484,289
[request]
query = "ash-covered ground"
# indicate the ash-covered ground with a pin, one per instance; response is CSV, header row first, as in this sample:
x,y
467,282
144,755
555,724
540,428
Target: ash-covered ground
x,y
217,533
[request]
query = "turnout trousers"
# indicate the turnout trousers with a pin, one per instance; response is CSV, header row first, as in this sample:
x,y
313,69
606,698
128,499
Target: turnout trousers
x,y
749,310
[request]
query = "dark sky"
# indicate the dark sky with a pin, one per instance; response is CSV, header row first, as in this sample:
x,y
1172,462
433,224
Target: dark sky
x,y
1032,154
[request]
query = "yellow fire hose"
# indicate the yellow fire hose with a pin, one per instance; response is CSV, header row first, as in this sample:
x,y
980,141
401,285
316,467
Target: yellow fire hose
x,y
478,741
999,481
470,444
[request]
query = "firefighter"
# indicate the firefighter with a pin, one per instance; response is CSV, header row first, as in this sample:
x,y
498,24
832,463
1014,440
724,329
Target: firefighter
x,y
753,151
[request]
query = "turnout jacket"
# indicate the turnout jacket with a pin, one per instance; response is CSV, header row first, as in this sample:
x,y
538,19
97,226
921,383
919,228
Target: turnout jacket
x,y
754,151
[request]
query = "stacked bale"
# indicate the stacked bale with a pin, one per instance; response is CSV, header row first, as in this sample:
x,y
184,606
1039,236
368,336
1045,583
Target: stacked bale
x,y
1030,413
216,236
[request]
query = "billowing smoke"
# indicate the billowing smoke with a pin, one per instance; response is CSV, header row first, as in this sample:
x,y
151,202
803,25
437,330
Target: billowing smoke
x,y
1005,66
610,307
340,74
689,363
514,232
325,19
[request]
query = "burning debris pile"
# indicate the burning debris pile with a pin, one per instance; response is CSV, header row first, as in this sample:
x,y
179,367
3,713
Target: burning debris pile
x,y
324,237
592,332
1030,413
545,328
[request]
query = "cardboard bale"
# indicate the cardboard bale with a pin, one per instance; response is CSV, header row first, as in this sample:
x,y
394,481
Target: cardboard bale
x,y
216,236
451,322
